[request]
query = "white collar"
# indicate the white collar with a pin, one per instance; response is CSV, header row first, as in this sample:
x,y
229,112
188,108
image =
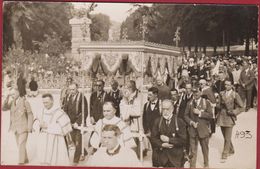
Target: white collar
x,y
132,95
114,149
155,101
51,110
114,90
114,120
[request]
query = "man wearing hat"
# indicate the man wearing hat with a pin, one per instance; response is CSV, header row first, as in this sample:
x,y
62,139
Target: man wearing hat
x,y
198,115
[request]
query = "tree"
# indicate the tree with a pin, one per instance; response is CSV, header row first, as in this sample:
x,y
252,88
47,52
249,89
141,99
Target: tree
x,y
201,25
99,28
30,21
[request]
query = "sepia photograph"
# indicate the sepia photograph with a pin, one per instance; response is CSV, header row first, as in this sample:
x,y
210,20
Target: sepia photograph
x,y
129,85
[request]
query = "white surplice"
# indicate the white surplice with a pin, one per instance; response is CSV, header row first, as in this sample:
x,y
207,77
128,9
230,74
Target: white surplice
x,y
52,148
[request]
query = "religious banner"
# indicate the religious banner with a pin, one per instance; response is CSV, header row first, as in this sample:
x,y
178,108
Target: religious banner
x,y
111,61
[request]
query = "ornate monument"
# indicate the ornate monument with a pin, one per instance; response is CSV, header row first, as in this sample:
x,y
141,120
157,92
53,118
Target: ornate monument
x,y
80,33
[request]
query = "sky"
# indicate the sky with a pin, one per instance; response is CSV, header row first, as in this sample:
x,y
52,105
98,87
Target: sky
x,y
116,11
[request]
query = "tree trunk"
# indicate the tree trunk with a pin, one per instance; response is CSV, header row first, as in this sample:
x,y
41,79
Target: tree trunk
x,y
215,49
228,43
247,44
16,29
196,48
204,49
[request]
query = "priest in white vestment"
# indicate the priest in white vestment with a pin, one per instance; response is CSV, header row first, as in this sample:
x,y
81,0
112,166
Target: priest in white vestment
x,y
112,154
53,124
109,111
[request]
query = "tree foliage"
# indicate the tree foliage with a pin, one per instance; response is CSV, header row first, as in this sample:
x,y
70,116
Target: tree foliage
x,y
31,21
99,28
201,25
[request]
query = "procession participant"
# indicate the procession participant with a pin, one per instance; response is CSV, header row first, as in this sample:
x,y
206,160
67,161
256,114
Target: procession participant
x,y
177,101
236,75
109,111
184,79
163,89
151,111
227,116
188,95
130,106
21,120
33,86
202,73
254,96
247,80
73,108
219,84
7,91
183,66
168,138
97,99
21,84
65,91
7,83
53,124
113,154
192,70
115,96
198,115
131,111
207,93
179,105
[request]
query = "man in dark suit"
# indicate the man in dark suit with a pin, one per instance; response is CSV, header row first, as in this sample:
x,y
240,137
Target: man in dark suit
x,y
177,101
168,138
207,93
247,80
188,95
151,110
198,115
73,107
202,71
115,96
97,99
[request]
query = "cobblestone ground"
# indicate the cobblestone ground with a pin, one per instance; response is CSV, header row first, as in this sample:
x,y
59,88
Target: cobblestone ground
x,y
244,140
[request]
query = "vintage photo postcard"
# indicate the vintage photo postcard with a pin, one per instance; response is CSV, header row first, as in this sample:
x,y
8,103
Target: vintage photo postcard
x,y
129,85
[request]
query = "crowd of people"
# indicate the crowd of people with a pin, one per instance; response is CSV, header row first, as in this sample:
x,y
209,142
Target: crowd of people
x,y
123,126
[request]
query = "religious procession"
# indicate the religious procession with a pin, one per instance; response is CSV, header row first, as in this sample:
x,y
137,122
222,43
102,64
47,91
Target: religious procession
x,y
128,103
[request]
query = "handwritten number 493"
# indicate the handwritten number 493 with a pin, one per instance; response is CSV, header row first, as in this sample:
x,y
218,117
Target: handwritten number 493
x,y
243,134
